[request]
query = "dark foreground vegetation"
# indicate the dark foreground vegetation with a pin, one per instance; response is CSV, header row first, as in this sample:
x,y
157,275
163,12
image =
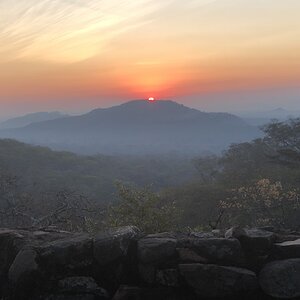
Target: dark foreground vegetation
x,y
251,184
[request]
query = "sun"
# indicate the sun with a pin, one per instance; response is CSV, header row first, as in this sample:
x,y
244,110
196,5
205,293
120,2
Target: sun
x,y
151,99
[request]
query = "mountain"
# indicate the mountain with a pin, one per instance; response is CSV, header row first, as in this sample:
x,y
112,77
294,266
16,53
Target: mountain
x,y
31,118
139,127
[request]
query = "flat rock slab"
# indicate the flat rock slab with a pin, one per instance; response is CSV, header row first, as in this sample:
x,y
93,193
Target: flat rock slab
x,y
281,279
289,249
156,250
214,281
257,241
215,250
66,254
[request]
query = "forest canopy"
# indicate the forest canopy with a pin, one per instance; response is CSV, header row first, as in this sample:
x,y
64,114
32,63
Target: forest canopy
x,y
251,184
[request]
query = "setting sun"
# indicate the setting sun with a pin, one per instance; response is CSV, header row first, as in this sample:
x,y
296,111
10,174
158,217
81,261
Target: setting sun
x,y
151,99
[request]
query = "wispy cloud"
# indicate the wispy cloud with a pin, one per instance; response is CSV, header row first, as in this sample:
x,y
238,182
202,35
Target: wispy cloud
x,y
67,30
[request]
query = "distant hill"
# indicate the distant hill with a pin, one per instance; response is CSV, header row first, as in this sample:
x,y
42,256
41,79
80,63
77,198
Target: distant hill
x,y
42,170
31,118
139,127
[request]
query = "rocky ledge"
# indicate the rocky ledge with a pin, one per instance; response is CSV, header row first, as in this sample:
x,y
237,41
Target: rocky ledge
x,y
126,264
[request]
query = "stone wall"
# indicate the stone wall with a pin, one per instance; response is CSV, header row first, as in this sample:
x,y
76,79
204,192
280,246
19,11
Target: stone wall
x,y
125,264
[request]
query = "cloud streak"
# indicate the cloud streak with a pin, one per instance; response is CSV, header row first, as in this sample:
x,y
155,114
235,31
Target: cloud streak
x,y
67,31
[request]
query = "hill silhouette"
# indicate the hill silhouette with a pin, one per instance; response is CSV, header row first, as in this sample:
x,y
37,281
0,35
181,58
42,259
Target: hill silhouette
x,y
31,118
139,127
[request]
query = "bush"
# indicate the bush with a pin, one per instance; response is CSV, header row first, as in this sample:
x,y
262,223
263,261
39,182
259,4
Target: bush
x,y
144,209
263,203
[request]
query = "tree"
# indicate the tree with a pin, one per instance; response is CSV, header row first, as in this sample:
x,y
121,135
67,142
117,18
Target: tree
x,y
65,210
284,139
263,203
144,209
208,168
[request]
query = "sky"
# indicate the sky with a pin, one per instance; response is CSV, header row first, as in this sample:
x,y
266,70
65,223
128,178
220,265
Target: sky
x,y
219,55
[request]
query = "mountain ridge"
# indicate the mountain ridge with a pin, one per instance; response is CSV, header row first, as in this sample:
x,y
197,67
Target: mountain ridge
x,y
31,118
139,126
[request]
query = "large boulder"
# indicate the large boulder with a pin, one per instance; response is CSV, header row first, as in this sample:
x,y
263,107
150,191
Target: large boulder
x,y
187,255
281,279
213,250
153,253
113,245
255,241
11,242
67,255
156,250
24,275
23,266
213,281
288,249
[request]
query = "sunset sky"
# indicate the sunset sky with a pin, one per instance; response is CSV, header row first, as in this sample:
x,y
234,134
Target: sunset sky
x,y
74,55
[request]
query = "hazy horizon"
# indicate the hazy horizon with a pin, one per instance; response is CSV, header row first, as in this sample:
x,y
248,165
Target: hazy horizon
x,y
192,102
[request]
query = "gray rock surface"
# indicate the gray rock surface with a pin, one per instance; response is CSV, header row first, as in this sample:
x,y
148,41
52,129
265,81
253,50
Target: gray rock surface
x,y
156,250
281,279
288,249
216,250
55,265
219,281
111,246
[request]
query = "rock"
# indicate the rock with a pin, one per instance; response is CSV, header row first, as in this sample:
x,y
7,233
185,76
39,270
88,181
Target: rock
x,y
111,246
139,293
289,249
23,266
127,292
202,235
235,232
68,266
218,233
81,285
189,256
49,236
24,276
280,238
71,297
168,277
255,241
267,228
215,250
219,281
65,255
281,279
168,235
147,273
156,250
11,242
